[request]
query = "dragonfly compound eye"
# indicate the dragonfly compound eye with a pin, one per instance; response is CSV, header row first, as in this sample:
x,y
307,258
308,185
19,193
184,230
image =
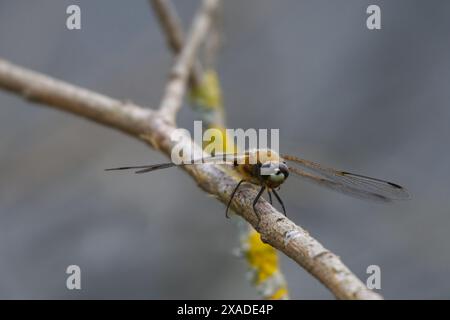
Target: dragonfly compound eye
x,y
284,170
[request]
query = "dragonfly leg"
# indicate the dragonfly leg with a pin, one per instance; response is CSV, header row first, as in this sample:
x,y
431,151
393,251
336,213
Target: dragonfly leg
x,y
270,196
280,201
231,198
256,201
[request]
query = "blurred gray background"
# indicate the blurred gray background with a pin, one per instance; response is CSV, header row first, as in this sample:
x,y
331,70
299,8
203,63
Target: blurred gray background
x,y
373,102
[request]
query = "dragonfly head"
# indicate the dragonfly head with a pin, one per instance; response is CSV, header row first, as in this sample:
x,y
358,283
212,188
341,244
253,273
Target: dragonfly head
x,y
274,173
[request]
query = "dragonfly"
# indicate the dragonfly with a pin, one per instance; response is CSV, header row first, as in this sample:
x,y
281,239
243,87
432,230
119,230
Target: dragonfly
x,y
269,170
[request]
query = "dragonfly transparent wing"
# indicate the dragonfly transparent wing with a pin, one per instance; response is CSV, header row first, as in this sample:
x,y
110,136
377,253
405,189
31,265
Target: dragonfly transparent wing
x,y
349,183
225,158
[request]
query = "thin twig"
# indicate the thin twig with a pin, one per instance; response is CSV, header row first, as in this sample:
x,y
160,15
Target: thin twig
x,y
176,87
214,40
173,30
154,129
170,22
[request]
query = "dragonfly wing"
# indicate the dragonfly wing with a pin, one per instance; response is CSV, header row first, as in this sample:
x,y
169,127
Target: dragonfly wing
x,y
145,168
353,184
216,159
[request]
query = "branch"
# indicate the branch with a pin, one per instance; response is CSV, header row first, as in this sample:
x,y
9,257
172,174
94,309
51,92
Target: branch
x,y
214,41
170,22
176,87
154,129
205,92
171,25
